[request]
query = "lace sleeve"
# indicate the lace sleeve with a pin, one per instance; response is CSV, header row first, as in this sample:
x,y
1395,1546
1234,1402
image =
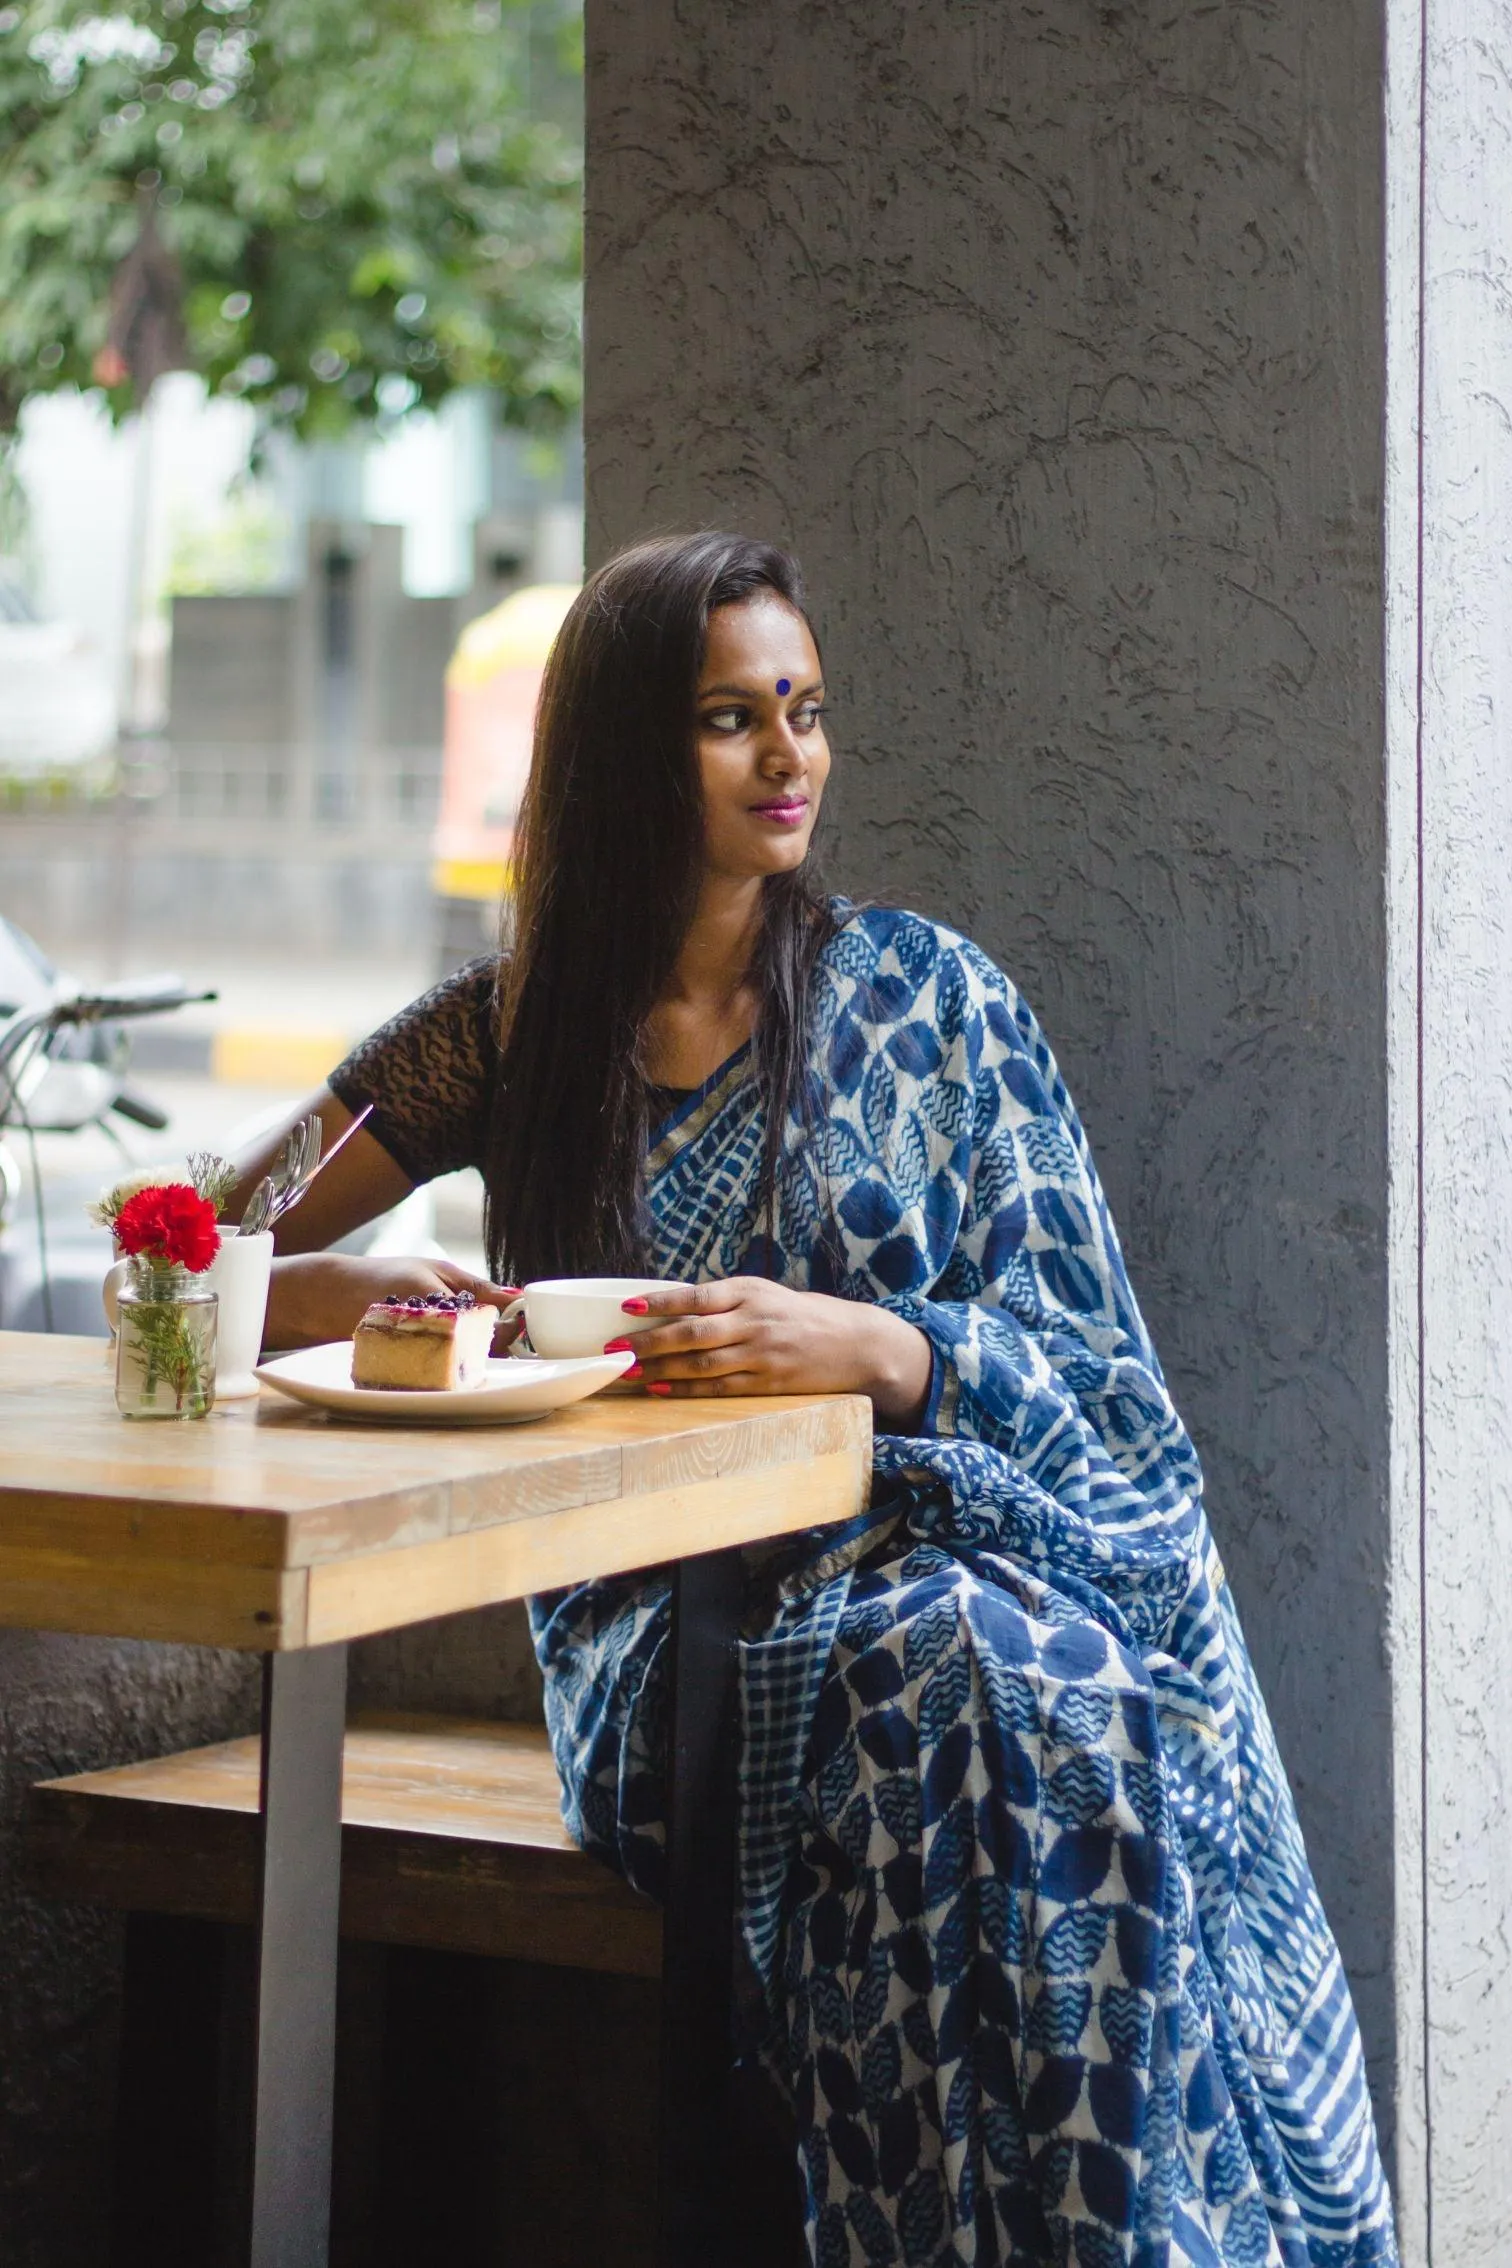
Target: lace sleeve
x,y
429,1073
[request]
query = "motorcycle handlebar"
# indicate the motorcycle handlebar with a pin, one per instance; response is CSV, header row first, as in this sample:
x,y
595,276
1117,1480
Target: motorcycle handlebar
x,y
151,999
113,1007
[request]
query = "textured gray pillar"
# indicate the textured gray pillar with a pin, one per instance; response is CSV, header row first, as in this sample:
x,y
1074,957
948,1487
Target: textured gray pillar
x,y
1055,340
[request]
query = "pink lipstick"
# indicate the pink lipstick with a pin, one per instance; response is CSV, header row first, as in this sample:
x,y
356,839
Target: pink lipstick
x,y
786,810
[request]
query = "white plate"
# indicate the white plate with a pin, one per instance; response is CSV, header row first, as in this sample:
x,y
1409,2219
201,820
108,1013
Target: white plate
x,y
510,1390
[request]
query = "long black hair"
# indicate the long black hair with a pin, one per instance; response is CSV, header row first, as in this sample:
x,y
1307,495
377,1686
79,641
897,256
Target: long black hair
x,y
608,862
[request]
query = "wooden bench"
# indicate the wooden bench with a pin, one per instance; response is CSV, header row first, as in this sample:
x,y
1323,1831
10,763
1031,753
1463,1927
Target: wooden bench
x,y
451,1837
488,2110
452,1848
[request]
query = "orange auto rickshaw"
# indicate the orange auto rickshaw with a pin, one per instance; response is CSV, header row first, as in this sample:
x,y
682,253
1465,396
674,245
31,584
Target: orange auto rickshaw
x,y
492,683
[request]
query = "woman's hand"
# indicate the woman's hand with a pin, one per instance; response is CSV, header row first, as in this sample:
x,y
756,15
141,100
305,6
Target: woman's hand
x,y
744,1335
317,1296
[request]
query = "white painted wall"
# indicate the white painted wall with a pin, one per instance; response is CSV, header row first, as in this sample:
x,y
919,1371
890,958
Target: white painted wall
x,y
1450,526
1404,1625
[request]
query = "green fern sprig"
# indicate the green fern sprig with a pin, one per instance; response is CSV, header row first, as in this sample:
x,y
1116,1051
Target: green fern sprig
x,y
171,1352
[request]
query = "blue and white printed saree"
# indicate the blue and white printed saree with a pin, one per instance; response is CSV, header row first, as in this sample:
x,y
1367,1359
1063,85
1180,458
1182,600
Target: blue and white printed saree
x,y
1049,1978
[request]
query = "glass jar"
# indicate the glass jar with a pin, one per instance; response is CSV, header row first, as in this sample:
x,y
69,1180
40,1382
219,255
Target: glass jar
x,y
165,1342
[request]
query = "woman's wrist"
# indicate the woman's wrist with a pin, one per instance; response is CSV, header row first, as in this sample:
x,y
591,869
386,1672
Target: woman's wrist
x,y
289,1286
901,1371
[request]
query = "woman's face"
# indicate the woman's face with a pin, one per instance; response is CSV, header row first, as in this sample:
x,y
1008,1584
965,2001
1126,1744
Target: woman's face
x,y
762,755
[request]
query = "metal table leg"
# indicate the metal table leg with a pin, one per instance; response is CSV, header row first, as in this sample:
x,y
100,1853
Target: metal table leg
x,y
698,1931
299,1887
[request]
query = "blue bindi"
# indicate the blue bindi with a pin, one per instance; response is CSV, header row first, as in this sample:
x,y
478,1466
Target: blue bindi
x,y
784,685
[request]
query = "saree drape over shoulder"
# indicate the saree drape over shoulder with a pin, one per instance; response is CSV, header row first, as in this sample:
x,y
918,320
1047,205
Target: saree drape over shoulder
x,y
1047,1975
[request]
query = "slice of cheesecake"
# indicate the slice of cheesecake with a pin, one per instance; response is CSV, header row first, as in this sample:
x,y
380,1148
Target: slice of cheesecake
x,y
423,1345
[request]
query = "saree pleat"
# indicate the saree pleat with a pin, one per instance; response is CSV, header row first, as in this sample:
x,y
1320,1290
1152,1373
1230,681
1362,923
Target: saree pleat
x,y
1046,1976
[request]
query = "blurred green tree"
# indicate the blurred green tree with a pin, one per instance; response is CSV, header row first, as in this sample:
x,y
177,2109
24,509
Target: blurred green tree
x,y
367,202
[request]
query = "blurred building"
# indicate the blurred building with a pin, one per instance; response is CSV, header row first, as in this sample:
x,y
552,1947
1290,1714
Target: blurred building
x,y
283,796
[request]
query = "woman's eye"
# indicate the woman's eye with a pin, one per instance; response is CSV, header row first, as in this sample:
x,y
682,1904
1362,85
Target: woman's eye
x,y
805,719
726,720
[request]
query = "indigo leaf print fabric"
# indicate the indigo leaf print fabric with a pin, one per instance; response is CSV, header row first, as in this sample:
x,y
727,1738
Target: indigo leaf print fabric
x,y
1047,1977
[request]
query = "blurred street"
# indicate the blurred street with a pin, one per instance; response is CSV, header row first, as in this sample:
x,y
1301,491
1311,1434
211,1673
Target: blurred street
x,y
222,1072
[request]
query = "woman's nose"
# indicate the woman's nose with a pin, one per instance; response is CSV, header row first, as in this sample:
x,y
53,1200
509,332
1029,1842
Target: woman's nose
x,y
781,750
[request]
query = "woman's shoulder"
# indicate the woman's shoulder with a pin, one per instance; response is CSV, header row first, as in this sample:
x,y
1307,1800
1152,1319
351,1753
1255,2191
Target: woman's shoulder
x,y
445,1030
891,967
459,1005
430,1072
468,989
901,954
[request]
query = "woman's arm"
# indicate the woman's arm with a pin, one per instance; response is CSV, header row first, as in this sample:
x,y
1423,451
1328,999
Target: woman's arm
x,y
362,1183
427,1072
316,1295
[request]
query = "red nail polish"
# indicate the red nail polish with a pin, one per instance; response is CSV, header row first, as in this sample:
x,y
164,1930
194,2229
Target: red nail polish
x,y
636,1370
616,1346
658,1386
636,1306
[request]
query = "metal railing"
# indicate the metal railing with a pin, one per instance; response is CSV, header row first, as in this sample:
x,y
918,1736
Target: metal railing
x,y
370,790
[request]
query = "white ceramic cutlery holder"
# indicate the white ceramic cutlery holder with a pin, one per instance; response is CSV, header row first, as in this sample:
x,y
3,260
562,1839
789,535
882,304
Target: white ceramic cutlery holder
x,y
238,1275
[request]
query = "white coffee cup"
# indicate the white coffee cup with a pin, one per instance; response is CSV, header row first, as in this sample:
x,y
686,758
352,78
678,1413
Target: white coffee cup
x,y
578,1315
238,1275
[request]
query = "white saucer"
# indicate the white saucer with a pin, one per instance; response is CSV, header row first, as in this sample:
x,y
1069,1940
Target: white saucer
x,y
509,1391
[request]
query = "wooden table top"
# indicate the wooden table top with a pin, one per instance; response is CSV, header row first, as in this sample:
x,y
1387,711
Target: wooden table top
x,y
269,1526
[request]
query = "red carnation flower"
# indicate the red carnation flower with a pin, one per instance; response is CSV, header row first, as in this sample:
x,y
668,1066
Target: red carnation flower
x,y
170,1223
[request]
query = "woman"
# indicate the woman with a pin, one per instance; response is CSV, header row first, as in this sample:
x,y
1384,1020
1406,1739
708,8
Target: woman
x,y
1047,1976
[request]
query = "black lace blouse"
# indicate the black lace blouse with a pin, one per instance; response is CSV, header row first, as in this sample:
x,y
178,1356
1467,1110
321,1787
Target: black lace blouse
x,y
431,1073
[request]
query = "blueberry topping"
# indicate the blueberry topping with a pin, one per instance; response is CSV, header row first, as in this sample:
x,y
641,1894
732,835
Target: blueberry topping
x,y
438,1302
